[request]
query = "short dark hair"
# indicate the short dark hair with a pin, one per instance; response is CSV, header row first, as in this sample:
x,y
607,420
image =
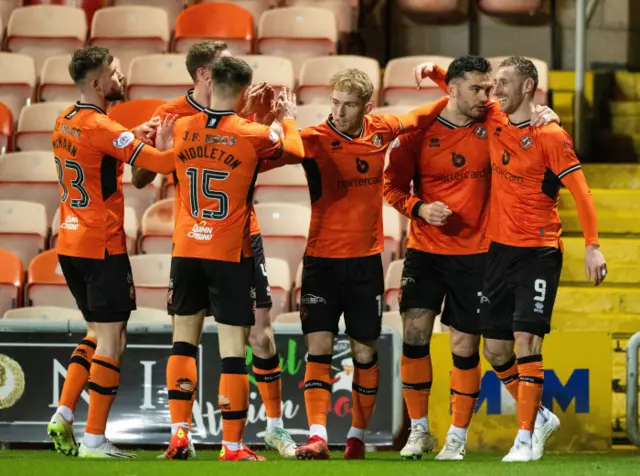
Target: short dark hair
x,y
203,55
232,73
467,64
86,60
524,67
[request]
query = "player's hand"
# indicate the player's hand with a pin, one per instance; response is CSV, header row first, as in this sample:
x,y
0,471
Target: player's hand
x,y
253,99
435,213
543,115
146,132
285,106
265,111
164,134
594,265
423,71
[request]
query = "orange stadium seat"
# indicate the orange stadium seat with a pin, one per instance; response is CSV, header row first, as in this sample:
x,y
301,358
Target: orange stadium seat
x,y
17,81
32,177
6,129
23,228
151,278
392,284
11,281
42,31
284,228
158,77
130,31
543,76
157,227
55,82
172,7
280,285
313,85
392,231
35,125
346,11
46,285
133,113
216,21
399,86
312,114
510,7
255,7
297,33
284,184
140,199
274,70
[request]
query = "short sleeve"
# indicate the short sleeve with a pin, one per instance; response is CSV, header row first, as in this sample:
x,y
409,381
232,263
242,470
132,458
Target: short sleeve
x,y
560,157
115,140
393,123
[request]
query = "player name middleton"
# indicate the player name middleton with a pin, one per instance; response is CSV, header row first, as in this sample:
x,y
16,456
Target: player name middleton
x,y
207,151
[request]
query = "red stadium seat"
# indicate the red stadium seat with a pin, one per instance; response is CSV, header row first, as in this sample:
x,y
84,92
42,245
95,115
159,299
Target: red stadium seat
x,y
216,21
133,113
46,285
11,281
6,129
510,7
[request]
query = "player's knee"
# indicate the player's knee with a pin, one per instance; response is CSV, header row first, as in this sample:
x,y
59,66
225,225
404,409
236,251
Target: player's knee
x,y
464,345
364,353
111,339
417,326
261,340
527,344
497,353
320,343
232,340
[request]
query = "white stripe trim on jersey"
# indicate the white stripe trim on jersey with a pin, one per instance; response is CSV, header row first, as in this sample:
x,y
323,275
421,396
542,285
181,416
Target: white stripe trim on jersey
x,y
81,105
135,153
566,172
451,125
345,136
521,125
192,102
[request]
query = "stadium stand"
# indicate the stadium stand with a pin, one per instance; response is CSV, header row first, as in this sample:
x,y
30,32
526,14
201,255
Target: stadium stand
x,y
17,81
23,228
280,285
284,184
158,76
35,125
11,281
156,227
399,87
55,82
151,278
6,129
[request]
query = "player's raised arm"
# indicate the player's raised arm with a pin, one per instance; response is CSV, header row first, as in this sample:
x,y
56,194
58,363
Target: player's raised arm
x,y
564,163
140,178
421,117
114,140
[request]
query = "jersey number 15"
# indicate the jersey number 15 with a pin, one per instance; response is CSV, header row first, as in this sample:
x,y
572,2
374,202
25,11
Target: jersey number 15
x,y
200,184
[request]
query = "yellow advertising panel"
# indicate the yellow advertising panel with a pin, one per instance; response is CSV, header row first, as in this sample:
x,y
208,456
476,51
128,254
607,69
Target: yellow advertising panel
x,y
577,388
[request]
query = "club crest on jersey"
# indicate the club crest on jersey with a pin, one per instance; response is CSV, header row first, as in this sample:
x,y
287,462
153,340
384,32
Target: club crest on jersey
x,y
124,140
526,142
377,140
480,132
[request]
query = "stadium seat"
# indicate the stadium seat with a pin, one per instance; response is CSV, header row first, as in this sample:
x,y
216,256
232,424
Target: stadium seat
x,y
392,230
510,7
11,281
130,31
255,7
158,77
543,76
6,7
275,70
297,289
42,31
395,110
148,315
429,7
151,278
284,228
157,227
288,318
617,211
130,228
173,8
135,112
17,81
55,82
297,33
35,125
392,284
284,184
45,313
346,11
23,228
6,129
280,285
217,21
313,85
46,285
140,199
312,114
32,177
399,86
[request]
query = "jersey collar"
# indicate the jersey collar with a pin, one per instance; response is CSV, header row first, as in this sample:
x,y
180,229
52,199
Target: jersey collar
x,y
192,102
451,125
215,112
81,105
344,136
521,125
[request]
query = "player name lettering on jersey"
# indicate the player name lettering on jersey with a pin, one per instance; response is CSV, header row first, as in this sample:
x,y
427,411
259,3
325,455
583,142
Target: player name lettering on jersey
x,y
68,130
210,138
62,142
205,152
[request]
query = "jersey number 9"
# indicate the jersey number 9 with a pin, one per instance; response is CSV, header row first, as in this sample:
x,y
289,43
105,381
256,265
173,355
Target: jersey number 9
x,y
200,184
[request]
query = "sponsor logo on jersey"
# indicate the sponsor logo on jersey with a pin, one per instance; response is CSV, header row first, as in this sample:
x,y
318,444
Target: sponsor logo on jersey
x,y
71,223
201,232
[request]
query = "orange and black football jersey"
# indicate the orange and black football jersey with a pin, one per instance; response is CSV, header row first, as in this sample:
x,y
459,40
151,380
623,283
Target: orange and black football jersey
x,y
185,106
528,165
90,150
217,155
447,164
345,184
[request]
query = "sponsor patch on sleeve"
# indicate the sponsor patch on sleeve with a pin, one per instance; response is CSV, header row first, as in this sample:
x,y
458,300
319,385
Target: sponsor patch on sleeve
x,y
124,140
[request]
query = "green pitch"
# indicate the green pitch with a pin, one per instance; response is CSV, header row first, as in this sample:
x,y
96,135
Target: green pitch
x,y
47,463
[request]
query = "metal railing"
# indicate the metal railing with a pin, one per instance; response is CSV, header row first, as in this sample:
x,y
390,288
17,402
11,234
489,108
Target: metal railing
x,y
632,389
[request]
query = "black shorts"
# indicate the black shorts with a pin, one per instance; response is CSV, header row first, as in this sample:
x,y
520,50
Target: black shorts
x,y
333,286
427,278
103,288
223,288
260,278
519,291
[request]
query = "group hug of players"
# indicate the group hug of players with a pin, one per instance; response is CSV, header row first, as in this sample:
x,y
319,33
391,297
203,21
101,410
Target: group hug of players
x,y
485,234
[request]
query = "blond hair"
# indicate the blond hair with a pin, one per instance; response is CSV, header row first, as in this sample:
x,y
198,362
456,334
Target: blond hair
x,y
353,80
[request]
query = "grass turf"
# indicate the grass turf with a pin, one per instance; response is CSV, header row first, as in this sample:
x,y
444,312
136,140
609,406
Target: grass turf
x,y
48,463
